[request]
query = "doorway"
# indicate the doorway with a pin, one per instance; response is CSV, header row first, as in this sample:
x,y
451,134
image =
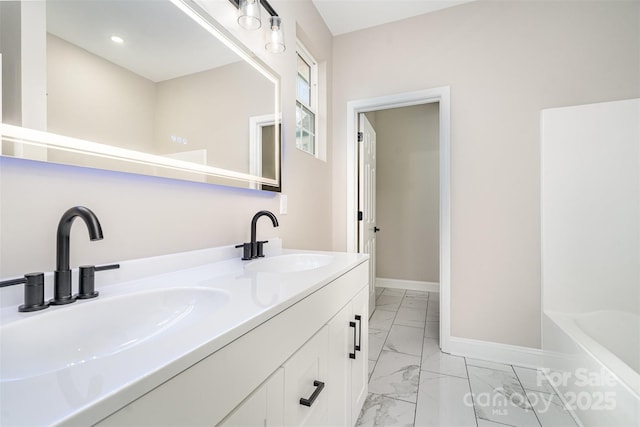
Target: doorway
x,y
357,232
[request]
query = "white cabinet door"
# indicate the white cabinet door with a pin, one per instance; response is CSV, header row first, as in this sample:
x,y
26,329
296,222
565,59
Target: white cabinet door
x,y
305,377
264,407
339,384
360,365
348,364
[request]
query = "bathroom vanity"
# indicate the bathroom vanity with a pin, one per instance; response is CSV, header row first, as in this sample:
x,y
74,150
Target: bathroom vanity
x,y
196,338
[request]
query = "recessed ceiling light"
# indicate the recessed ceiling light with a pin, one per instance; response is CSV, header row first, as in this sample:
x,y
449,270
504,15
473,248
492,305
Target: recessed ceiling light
x,y
117,39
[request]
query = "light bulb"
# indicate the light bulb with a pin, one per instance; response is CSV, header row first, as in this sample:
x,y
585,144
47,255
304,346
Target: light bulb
x,y
275,36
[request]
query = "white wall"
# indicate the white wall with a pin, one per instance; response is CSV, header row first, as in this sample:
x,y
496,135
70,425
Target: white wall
x,y
505,62
143,216
407,193
591,207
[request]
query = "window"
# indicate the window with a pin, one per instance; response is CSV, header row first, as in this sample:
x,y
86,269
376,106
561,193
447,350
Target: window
x,y
306,102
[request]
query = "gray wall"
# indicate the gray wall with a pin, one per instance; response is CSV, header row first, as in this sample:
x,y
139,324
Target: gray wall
x,y
407,141
91,98
505,61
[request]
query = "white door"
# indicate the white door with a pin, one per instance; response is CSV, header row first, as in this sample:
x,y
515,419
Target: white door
x,y
367,201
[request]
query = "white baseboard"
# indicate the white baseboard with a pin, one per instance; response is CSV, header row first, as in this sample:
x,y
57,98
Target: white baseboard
x,y
413,285
476,349
496,352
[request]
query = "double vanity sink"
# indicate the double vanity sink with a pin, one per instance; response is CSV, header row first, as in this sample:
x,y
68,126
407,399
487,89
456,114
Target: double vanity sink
x,y
87,332
77,364
66,339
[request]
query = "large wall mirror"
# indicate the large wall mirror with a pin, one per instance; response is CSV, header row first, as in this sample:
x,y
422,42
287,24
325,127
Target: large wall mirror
x,y
156,87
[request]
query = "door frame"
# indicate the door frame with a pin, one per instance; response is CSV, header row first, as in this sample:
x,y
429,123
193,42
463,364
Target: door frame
x,y
443,97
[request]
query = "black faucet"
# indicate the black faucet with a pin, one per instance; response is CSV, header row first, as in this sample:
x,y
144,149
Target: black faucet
x,y
255,249
62,274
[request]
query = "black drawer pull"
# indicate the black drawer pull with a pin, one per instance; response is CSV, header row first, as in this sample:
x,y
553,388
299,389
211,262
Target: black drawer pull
x,y
319,385
359,319
355,347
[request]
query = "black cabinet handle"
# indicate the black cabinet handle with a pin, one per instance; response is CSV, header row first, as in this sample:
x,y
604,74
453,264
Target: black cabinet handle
x,y
359,319
375,229
319,385
355,347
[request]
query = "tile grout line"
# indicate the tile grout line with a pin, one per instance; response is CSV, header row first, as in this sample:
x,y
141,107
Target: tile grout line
x,y
389,331
526,395
502,424
421,351
375,362
415,410
552,393
385,339
385,342
473,399
443,374
497,370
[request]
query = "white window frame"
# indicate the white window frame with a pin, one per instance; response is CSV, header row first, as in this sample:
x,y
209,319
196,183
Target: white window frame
x,y
303,52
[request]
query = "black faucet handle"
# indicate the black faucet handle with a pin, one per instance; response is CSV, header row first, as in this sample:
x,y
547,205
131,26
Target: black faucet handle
x,y
13,282
87,282
260,248
33,291
107,267
247,250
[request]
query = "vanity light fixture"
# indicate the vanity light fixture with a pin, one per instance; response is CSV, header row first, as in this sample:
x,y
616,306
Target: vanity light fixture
x,y
249,18
249,14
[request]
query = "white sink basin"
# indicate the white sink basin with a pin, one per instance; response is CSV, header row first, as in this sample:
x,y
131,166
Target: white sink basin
x,y
67,336
289,263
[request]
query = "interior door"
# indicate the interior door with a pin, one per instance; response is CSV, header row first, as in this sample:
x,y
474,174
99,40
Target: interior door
x,y
367,201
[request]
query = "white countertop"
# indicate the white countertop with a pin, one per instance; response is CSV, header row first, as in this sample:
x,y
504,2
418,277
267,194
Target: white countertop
x,y
86,392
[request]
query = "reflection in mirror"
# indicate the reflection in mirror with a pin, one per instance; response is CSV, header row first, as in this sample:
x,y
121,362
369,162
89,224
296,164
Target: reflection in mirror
x,y
144,76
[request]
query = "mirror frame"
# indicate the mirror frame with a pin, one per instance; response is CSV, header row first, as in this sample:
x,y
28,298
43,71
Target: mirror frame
x,y
21,137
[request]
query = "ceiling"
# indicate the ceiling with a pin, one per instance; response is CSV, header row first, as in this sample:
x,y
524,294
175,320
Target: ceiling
x,y
160,41
345,16
156,32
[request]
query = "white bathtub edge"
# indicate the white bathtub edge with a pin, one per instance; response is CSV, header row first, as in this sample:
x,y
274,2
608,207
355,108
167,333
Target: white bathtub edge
x,y
565,355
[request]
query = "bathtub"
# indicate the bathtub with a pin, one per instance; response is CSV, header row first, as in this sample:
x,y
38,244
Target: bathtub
x,y
590,219
593,362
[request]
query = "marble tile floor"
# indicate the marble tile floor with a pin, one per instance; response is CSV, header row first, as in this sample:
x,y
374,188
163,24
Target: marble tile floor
x,y
412,383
